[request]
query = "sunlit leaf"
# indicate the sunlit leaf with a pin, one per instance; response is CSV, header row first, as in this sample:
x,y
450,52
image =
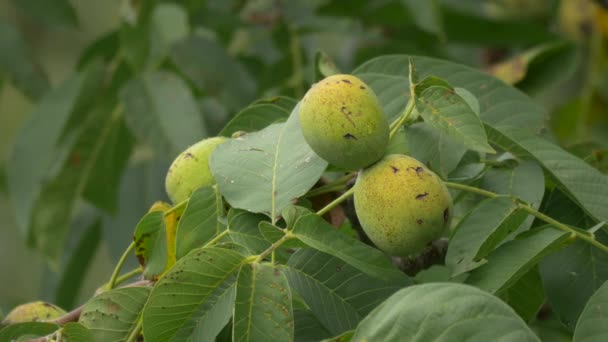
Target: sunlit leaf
x,y
265,171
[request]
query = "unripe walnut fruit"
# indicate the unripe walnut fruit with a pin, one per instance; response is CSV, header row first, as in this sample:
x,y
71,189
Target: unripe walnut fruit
x,y
190,170
343,122
33,312
402,206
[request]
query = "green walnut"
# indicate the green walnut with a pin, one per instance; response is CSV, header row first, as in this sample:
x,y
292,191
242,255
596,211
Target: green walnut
x,y
402,206
343,122
33,312
190,170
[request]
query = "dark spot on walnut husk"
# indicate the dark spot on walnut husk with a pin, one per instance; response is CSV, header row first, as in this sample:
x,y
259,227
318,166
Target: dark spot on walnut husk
x,y
395,169
422,196
419,221
419,170
346,81
362,87
446,215
349,136
188,155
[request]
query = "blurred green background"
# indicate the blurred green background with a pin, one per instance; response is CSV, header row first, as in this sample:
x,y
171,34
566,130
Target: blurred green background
x,y
555,51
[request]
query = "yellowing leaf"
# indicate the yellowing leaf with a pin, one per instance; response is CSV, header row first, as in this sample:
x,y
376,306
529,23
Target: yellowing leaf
x,y
170,230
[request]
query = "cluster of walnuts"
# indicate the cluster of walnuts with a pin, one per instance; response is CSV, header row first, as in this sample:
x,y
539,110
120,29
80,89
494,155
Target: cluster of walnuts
x,y
401,205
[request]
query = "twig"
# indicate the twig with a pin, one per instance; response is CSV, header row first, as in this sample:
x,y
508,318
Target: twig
x,y
119,265
590,238
335,202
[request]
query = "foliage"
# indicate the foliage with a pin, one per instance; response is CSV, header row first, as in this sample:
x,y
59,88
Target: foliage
x,y
273,250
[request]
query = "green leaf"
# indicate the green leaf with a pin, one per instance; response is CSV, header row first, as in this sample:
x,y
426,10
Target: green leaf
x,y
509,115
586,185
113,148
208,65
58,13
73,276
573,274
338,294
195,298
443,312
243,227
527,295
112,315
254,118
135,44
480,231
262,309
343,337
76,332
516,68
308,328
551,330
463,26
17,63
324,66
284,102
592,325
199,222
318,234
35,147
438,274
445,110
428,16
27,330
135,34
434,148
104,47
263,172
500,105
525,181
427,82
151,244
511,261
168,25
161,110
71,172
142,184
